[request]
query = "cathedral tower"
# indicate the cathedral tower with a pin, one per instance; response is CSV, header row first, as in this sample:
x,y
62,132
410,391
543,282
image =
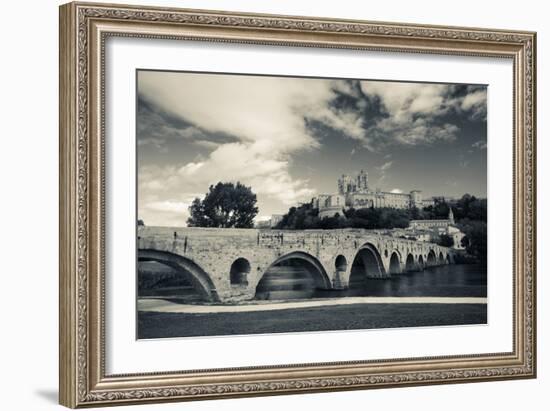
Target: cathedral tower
x,y
363,182
451,215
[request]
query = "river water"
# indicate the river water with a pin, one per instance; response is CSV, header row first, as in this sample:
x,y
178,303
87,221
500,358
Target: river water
x,y
293,281
455,280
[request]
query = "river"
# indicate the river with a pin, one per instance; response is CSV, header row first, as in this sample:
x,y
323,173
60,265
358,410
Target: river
x,y
293,281
455,280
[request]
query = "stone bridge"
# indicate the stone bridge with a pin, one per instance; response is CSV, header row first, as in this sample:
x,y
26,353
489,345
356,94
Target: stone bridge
x,y
227,264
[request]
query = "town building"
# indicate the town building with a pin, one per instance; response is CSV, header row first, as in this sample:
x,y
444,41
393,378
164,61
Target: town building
x,y
267,223
329,204
434,224
432,229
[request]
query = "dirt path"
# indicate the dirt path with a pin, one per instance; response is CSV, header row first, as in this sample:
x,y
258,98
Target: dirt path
x,y
164,306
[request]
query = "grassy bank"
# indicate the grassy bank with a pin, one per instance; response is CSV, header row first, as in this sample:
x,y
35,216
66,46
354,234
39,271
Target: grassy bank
x,y
350,317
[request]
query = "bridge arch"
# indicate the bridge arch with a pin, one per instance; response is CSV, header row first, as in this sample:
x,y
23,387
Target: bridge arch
x,y
370,264
313,266
409,264
431,260
186,267
421,262
441,259
395,264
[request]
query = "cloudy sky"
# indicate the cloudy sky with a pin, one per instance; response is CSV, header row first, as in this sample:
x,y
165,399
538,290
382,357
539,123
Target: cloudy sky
x,y
291,138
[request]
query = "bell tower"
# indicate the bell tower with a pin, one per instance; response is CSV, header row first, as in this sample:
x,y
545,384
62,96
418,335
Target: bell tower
x,y
451,215
363,182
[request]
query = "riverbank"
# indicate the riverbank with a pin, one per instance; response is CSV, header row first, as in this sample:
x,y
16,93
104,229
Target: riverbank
x,y
322,318
167,306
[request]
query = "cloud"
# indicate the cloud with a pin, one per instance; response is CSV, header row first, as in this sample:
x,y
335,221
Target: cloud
x,y
480,144
270,110
463,162
172,206
164,212
155,126
385,166
206,144
418,113
383,169
476,103
402,99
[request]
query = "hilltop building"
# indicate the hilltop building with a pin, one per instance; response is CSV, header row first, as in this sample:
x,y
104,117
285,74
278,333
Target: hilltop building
x,y
354,192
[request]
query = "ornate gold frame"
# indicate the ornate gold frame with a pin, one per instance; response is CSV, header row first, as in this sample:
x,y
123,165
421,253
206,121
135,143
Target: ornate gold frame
x,y
83,30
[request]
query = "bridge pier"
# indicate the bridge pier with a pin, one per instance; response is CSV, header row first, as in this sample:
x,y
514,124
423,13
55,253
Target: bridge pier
x,y
339,282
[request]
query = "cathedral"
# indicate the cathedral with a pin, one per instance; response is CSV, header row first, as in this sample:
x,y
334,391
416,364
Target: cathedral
x,y
354,192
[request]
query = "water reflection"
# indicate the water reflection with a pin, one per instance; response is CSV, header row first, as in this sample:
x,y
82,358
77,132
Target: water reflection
x,y
159,280
460,280
284,282
295,280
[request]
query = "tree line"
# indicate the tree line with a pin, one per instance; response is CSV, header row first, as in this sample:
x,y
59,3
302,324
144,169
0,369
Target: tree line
x,y
305,217
468,208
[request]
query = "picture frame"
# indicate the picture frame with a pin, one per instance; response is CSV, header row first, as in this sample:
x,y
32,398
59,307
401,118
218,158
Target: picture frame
x,y
84,31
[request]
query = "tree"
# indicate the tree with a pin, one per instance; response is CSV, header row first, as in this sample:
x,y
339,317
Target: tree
x,y
330,223
303,217
225,205
415,214
445,240
472,208
198,216
439,210
476,238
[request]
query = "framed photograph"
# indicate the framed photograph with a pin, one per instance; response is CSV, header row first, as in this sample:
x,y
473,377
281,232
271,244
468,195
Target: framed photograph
x,y
259,204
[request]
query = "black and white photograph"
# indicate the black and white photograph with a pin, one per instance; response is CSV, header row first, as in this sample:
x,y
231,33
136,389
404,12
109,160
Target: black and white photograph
x,y
271,204
275,205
